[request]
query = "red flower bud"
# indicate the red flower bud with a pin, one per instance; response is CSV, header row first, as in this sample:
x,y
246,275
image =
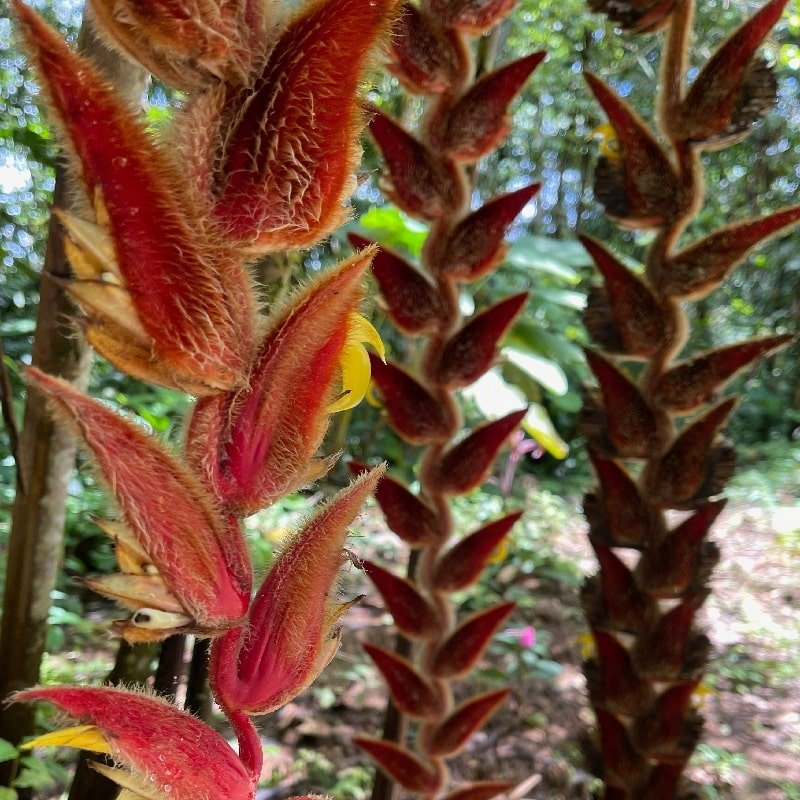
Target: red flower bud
x,y
475,246
163,752
473,349
287,167
620,759
612,599
693,469
290,635
412,302
733,90
411,693
638,185
477,123
197,576
466,465
415,179
671,649
416,415
690,385
412,613
426,59
639,16
625,317
187,45
453,732
413,520
463,563
462,649
613,682
683,560
402,766
618,516
256,445
671,728
700,267
625,426
471,16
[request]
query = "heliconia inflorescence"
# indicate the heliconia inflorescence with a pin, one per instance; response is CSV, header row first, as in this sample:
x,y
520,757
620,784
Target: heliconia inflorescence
x,y
260,157
655,440
427,175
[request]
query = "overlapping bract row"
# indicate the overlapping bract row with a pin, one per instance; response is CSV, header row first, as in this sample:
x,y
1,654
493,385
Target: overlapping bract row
x,y
649,654
260,157
425,174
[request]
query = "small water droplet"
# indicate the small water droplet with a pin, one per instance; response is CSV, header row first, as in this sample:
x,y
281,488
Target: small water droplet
x,y
166,788
119,162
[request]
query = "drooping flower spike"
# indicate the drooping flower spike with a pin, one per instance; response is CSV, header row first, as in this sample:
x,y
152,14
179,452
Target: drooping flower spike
x,y
185,568
648,655
256,445
289,144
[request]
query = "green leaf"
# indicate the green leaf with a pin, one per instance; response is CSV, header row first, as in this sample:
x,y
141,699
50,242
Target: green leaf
x,y
543,370
528,335
7,794
392,227
561,297
496,398
34,775
553,256
7,751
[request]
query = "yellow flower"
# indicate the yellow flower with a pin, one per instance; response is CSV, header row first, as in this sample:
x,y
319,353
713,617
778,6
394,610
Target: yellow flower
x,y
499,553
354,363
588,647
606,135
84,737
701,693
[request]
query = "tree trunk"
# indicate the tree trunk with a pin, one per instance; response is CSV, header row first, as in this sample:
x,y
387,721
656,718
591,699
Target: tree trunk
x,y
48,451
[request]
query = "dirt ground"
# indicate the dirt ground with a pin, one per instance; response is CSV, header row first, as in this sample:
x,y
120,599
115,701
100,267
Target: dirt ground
x,y
752,742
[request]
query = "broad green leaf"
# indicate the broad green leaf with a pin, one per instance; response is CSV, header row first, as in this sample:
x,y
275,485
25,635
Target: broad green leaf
x,y
392,227
561,297
542,370
528,335
7,750
519,378
34,775
556,257
7,794
495,398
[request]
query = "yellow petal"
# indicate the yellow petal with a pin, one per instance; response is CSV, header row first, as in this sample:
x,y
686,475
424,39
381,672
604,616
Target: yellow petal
x,y
356,371
84,737
586,641
372,398
606,134
499,553
354,363
362,330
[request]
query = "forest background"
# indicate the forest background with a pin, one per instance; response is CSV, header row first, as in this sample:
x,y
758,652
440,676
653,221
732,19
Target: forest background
x,y
554,140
